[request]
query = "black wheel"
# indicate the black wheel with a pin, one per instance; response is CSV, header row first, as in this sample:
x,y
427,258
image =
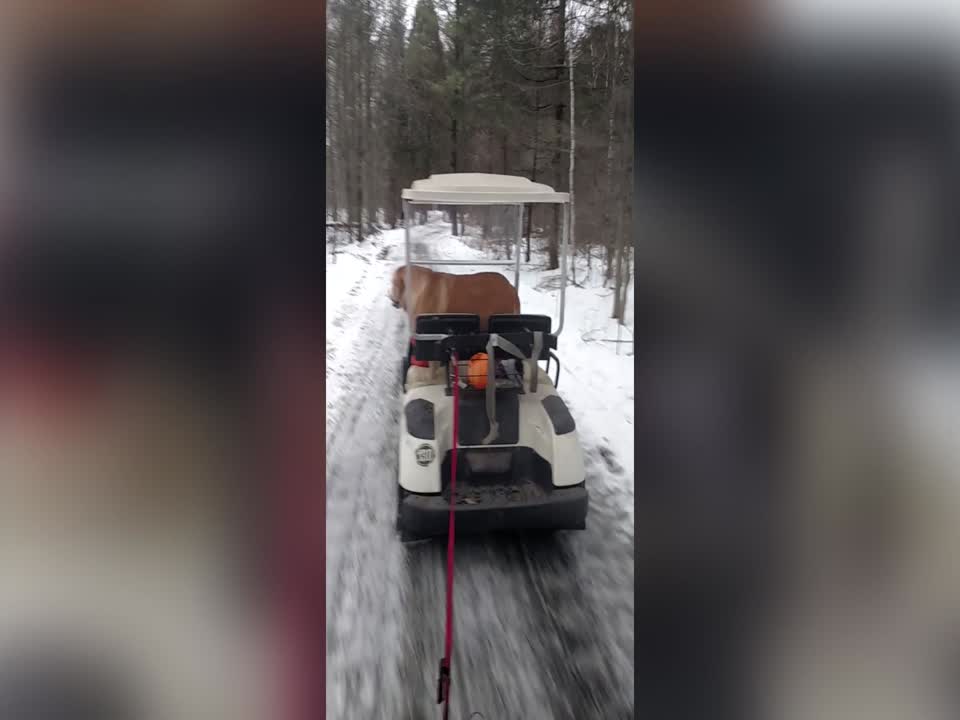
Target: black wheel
x,y
405,535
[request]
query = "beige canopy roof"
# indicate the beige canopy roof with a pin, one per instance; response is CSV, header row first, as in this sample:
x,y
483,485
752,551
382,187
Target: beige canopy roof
x,y
480,189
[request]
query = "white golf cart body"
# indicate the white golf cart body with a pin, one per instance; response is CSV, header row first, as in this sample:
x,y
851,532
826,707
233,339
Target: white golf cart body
x,y
524,470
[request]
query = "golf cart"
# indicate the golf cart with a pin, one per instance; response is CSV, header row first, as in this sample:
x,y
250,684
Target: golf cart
x,y
518,457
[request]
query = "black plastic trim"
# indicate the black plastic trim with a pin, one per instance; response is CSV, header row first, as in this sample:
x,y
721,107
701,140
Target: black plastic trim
x,y
428,515
563,422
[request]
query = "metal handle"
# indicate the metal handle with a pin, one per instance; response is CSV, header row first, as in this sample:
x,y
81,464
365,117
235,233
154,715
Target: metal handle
x,y
556,381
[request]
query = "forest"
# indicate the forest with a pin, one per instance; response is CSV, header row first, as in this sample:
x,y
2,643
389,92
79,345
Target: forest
x,y
539,88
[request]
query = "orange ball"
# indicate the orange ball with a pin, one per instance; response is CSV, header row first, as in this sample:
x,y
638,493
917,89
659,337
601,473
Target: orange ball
x,y
477,371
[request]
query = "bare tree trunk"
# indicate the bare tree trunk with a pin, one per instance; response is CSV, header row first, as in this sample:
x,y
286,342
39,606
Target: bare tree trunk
x,y
352,162
333,163
331,149
504,146
454,230
572,162
611,126
627,277
361,160
529,222
342,137
369,140
536,144
624,209
618,293
536,140
454,124
390,204
626,116
554,260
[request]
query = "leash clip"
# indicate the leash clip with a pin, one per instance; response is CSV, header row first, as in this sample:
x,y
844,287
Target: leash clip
x,y
444,676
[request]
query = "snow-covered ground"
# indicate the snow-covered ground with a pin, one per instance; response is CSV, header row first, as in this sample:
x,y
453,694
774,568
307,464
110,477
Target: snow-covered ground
x,y
544,627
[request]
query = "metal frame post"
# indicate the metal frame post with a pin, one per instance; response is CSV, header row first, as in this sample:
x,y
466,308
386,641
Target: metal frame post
x,y
478,263
565,248
564,239
406,284
516,272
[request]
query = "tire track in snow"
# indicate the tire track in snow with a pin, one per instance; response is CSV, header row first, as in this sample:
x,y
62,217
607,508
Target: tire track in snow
x,y
364,575
347,336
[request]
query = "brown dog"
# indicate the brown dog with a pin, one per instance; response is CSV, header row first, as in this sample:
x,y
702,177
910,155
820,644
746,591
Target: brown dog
x,y
483,294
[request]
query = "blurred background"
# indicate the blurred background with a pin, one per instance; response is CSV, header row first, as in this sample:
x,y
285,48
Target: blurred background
x,y
417,87
159,186
796,334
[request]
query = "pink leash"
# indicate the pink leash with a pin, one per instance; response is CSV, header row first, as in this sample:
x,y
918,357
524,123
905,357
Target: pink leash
x,y
443,688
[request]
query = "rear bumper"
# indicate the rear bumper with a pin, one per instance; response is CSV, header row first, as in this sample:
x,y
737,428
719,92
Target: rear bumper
x,y
560,509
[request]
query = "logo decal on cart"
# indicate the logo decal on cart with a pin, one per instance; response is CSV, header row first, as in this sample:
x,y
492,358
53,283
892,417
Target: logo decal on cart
x,y
425,455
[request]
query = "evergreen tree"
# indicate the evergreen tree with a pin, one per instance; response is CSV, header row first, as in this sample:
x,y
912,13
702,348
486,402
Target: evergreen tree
x,y
483,86
426,75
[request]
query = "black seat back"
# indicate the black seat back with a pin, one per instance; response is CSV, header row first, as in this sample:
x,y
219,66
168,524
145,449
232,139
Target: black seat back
x,y
462,333
503,324
449,324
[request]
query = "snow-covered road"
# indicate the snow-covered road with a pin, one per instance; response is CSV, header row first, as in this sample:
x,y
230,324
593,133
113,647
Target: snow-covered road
x,y
543,627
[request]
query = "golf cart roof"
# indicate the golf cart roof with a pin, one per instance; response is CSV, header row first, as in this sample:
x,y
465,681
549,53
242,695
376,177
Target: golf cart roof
x,y
480,189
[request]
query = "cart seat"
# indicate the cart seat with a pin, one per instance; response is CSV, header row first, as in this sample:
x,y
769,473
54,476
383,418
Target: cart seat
x,y
436,335
504,324
448,324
